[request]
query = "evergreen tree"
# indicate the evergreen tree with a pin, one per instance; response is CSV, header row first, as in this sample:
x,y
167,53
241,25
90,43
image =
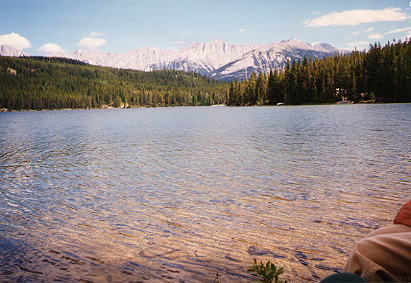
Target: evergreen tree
x,y
55,83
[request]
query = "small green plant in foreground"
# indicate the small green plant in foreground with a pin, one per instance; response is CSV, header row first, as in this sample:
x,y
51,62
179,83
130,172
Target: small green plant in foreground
x,y
268,272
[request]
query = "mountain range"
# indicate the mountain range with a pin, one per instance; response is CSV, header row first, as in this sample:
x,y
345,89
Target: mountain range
x,y
215,59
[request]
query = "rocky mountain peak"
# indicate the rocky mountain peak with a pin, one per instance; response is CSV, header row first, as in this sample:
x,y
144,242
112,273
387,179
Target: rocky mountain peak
x,y
216,58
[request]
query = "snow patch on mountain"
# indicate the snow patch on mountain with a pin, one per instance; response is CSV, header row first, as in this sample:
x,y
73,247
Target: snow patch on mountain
x,y
325,47
198,57
271,56
216,59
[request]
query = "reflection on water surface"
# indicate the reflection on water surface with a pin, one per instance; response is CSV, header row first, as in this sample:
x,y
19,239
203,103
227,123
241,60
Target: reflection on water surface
x,y
181,194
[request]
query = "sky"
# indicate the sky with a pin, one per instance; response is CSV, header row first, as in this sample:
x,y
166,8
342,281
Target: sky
x,y
40,27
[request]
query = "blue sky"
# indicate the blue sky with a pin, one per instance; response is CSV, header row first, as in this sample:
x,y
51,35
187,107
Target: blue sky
x,y
42,26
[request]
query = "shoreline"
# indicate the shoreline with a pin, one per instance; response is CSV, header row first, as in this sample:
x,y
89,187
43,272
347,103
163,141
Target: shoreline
x,y
219,105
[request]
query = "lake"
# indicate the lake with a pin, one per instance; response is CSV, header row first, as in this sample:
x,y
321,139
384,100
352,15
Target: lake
x,y
193,194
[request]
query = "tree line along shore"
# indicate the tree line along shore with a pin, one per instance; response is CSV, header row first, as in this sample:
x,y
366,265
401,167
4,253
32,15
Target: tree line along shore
x,y
382,74
36,83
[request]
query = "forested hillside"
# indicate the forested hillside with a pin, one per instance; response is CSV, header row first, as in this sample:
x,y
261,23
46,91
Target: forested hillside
x,y
56,83
383,74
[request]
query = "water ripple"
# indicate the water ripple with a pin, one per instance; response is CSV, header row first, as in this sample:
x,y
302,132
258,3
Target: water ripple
x,y
181,194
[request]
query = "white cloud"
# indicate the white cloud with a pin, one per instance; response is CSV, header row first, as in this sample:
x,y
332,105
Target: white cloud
x,y
356,17
375,36
399,30
360,45
364,31
51,48
14,40
92,42
190,32
405,31
242,30
357,43
96,34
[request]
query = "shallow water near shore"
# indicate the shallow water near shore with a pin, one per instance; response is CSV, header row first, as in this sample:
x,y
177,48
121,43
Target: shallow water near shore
x,y
193,194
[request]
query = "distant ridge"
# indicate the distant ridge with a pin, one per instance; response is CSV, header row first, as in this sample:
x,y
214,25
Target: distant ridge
x,y
215,59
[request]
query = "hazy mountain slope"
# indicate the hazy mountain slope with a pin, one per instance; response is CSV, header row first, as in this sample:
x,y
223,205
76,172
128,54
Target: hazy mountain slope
x,y
271,56
215,59
198,57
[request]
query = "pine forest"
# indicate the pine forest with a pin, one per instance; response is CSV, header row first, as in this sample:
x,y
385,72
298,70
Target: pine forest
x,y
55,83
382,75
